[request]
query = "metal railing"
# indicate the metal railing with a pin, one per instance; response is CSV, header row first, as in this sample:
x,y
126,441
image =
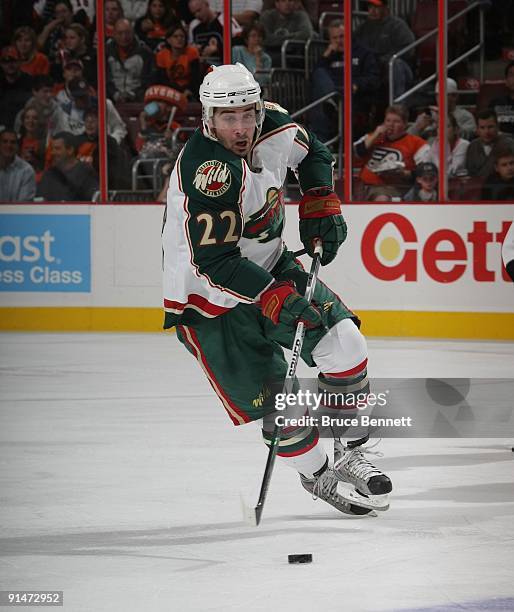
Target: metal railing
x,y
338,138
140,172
286,54
460,58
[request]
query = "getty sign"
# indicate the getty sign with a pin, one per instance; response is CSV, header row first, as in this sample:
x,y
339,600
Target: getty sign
x,y
45,253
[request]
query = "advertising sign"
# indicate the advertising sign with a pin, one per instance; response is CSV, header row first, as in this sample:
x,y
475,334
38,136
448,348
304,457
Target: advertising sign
x,y
420,258
45,253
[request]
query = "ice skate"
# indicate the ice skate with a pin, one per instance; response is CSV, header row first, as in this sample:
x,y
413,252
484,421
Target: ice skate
x,y
350,466
324,486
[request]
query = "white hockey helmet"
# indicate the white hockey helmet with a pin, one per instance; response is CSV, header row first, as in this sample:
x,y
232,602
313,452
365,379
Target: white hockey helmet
x,y
230,86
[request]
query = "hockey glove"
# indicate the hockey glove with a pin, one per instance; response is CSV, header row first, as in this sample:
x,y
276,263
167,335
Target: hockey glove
x,y
283,304
320,217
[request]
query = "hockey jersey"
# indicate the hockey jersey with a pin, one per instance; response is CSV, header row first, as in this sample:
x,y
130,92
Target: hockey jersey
x,y
224,218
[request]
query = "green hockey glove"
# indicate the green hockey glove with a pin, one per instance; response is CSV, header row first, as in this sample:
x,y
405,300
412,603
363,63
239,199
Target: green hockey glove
x,y
283,304
320,217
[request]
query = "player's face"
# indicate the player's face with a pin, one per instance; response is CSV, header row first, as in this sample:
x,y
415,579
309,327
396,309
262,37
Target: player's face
x,y
505,167
487,130
235,128
395,125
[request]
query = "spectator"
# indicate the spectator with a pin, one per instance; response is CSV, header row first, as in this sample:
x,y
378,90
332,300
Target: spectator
x,y
151,28
33,62
206,31
134,9
68,180
310,6
17,177
32,140
76,98
455,151
50,39
179,63
481,151
252,55
43,100
15,86
386,35
504,105
465,120
72,69
118,166
245,12
328,76
83,11
389,155
76,47
156,121
113,11
284,21
500,184
427,121
425,186
130,65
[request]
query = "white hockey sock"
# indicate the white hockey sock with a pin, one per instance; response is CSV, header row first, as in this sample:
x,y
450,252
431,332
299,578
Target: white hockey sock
x,y
309,462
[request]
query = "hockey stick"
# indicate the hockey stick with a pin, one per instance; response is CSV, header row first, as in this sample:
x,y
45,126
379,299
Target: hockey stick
x,y
300,252
255,516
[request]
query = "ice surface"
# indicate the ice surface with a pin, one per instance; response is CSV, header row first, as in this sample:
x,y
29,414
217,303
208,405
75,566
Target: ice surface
x,y
120,478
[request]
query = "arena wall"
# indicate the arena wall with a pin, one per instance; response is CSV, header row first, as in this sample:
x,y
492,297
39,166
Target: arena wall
x,y
407,270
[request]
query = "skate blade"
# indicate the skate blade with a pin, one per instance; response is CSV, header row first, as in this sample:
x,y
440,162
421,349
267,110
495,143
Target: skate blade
x,y
375,502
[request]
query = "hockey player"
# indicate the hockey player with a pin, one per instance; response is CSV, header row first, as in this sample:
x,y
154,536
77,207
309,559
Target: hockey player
x,y
234,291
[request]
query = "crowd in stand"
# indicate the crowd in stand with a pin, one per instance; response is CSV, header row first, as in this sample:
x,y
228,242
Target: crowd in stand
x,y
156,54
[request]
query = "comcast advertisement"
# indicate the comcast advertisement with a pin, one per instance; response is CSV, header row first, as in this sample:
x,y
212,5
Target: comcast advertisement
x,y
45,253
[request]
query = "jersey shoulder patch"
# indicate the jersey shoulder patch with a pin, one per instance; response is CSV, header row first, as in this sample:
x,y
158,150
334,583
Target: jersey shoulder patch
x,y
209,173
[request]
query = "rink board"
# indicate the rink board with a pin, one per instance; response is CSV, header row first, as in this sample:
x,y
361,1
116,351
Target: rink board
x,y
432,271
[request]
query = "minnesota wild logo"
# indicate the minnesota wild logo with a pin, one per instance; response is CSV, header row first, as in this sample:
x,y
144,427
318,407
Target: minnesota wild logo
x,y
212,178
268,222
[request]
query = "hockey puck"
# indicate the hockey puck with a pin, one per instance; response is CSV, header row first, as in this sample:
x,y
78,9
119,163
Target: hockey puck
x,y
306,558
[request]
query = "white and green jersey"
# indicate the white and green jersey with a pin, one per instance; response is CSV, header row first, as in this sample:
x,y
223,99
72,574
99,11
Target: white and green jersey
x,y
225,216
